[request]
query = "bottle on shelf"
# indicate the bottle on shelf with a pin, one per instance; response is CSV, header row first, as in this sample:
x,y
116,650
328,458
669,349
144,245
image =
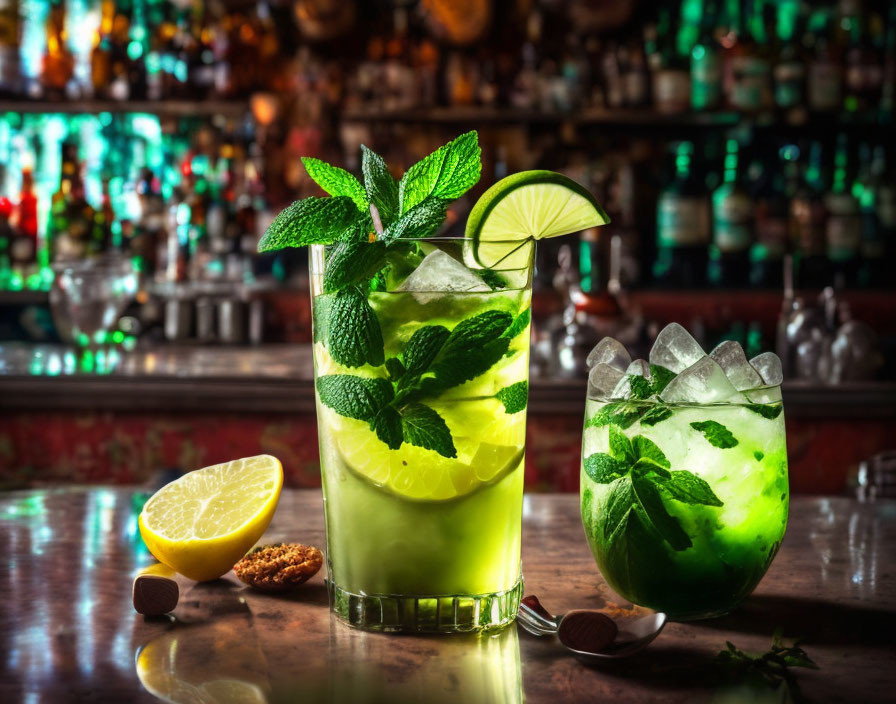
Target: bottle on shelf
x,y
706,62
867,189
23,250
807,220
824,74
776,173
58,62
843,230
672,78
732,224
682,225
863,71
749,69
789,73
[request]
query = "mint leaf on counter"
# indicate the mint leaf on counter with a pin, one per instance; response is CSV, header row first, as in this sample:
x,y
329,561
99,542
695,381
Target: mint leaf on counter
x,y
422,348
447,173
381,188
688,488
312,221
425,428
353,263
766,411
387,426
771,667
602,468
715,433
354,396
354,336
514,397
423,220
474,345
660,377
336,181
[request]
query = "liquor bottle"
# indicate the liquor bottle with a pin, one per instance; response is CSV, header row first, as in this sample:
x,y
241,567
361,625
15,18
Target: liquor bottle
x,y
10,39
771,197
863,59
824,75
866,188
103,221
24,246
749,69
706,62
58,62
843,231
636,77
682,225
732,224
789,73
807,218
672,79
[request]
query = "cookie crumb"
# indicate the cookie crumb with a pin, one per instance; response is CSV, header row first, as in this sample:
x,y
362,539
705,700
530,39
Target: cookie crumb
x,y
279,567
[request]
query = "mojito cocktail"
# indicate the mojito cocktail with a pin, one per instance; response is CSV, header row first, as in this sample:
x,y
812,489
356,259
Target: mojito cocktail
x,y
684,474
421,359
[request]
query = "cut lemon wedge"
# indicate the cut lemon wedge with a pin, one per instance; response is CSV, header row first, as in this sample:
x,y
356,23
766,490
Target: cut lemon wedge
x,y
530,205
202,523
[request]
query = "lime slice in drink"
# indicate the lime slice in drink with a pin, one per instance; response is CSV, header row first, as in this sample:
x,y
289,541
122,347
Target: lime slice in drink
x,y
416,473
525,206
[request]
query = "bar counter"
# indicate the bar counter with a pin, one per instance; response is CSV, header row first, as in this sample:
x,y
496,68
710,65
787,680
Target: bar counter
x,y
68,631
185,407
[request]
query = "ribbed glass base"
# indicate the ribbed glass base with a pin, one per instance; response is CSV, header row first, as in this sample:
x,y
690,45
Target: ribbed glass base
x,y
426,614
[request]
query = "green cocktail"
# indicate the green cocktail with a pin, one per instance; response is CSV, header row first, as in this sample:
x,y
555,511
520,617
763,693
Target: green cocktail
x,y
421,365
417,539
684,502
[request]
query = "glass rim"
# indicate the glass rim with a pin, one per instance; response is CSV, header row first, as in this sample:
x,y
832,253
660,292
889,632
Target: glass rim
x,y
518,242
696,404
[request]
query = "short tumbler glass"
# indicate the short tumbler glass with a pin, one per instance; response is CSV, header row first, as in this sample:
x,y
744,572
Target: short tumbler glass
x,y
418,541
724,550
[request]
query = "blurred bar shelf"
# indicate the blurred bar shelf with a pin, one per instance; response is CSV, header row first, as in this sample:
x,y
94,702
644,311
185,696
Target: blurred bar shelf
x,y
24,297
170,108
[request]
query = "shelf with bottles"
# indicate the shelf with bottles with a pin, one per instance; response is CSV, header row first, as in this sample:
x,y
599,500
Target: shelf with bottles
x,y
165,108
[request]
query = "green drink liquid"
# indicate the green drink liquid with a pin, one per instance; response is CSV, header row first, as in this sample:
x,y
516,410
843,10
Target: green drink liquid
x,y
417,540
732,545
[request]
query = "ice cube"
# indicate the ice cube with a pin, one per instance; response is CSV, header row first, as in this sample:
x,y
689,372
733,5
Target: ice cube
x,y
624,388
730,356
702,382
609,351
439,273
675,349
602,380
639,367
768,364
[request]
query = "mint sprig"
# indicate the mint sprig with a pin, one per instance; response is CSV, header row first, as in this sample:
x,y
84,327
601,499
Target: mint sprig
x,y
639,476
420,221
715,433
354,337
336,181
447,173
312,221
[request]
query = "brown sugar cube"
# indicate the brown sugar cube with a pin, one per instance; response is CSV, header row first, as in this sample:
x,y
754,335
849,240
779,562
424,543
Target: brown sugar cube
x,y
279,567
154,594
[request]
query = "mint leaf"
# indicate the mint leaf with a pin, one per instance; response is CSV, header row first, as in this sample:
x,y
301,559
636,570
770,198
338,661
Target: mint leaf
x,y
520,322
651,503
491,278
715,433
423,347
620,502
621,446
354,336
766,411
354,396
759,455
514,397
473,346
640,386
646,449
622,414
420,221
602,468
395,368
382,191
352,262
425,428
336,181
688,488
655,415
660,377
311,221
447,173
387,425
320,319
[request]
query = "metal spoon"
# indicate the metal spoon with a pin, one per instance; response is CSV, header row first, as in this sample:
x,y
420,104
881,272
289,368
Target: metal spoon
x,y
634,631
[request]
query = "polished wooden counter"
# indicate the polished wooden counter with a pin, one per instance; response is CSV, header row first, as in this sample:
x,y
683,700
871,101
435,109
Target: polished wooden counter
x,y
68,631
